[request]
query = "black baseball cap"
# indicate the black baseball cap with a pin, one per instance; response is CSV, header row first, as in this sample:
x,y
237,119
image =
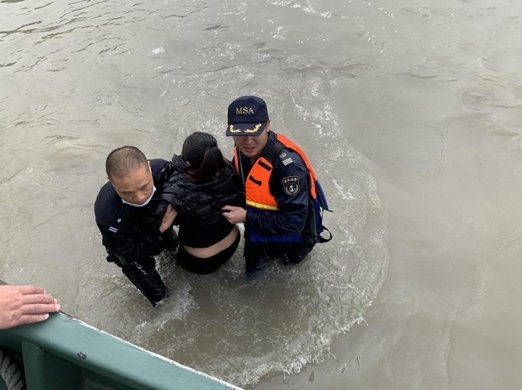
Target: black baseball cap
x,y
247,115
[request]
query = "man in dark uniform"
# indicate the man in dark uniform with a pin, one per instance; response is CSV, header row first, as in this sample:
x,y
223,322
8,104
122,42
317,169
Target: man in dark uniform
x,y
121,208
276,183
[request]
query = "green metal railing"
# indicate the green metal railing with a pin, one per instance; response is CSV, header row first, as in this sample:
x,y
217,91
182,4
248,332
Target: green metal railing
x,y
65,353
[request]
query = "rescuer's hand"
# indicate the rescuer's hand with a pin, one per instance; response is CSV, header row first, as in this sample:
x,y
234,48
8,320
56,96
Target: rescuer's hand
x,y
234,214
168,218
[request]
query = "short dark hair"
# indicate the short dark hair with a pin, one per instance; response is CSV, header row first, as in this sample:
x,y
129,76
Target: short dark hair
x,y
123,160
201,151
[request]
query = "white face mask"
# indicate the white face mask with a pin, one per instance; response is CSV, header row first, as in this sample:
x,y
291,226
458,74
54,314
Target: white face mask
x,y
144,203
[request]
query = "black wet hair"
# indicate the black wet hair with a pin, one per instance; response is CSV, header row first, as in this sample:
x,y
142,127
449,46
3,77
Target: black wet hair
x,y
201,151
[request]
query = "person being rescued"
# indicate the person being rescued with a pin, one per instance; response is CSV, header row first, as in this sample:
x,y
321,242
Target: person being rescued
x,y
201,182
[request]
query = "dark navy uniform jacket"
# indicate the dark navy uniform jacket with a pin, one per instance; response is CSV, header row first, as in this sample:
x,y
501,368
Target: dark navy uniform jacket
x,y
127,231
293,208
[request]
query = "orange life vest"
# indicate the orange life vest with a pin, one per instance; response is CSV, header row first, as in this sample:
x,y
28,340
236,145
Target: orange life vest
x,y
258,195
257,189
259,198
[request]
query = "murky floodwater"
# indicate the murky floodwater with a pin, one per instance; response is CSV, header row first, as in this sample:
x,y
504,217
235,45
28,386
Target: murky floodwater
x,y
410,113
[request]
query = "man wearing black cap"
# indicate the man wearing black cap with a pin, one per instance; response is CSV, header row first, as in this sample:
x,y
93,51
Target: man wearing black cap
x,y
276,182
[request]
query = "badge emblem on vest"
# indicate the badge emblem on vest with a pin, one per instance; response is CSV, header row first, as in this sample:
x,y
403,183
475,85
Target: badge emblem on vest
x,y
291,185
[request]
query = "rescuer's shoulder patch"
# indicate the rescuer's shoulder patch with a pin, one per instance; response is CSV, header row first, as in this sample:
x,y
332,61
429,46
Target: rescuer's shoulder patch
x,y
291,185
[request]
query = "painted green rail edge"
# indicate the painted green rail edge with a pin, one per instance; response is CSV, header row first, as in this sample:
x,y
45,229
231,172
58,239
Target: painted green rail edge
x,y
66,353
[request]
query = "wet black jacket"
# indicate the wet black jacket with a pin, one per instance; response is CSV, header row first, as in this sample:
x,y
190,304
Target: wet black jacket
x,y
199,204
129,232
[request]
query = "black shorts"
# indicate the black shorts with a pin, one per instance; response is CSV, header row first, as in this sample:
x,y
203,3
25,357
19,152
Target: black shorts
x,y
207,265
